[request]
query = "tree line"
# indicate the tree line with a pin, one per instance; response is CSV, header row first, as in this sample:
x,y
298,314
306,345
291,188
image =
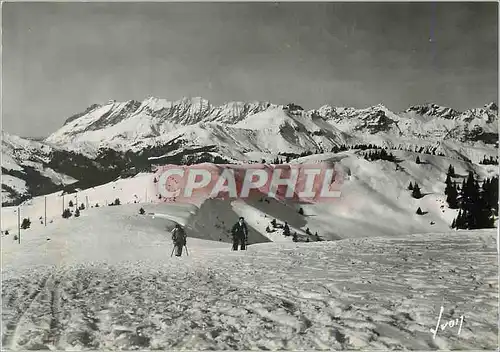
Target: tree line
x,y
477,203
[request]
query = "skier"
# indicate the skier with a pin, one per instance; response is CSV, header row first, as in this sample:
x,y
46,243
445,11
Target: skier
x,y
286,229
240,234
179,239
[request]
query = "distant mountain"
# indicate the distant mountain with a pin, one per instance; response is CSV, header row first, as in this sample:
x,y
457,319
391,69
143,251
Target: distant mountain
x,y
237,128
25,171
31,168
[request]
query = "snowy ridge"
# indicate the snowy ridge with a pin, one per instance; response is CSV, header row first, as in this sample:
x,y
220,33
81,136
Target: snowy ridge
x,y
433,110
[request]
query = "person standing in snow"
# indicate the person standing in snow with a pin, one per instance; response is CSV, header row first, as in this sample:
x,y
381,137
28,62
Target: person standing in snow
x,y
179,239
240,234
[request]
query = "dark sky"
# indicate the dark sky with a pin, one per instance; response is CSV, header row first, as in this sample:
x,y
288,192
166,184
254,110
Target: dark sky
x,y
59,58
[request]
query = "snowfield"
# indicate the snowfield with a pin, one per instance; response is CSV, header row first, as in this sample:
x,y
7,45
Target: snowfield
x,y
106,281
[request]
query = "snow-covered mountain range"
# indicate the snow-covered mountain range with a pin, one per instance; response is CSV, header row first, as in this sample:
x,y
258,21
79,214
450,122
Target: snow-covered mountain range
x,y
268,128
104,141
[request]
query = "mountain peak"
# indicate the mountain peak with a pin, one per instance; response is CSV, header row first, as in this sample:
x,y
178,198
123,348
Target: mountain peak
x,y
491,106
434,110
89,109
379,107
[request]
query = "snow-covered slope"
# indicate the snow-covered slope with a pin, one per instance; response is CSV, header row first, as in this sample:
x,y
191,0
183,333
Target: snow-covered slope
x,y
24,169
374,196
375,200
106,281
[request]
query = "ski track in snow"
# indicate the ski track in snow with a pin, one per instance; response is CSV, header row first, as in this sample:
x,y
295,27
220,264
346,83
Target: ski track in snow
x,y
377,293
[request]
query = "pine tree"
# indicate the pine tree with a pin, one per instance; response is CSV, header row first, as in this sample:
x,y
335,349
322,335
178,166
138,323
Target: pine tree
x,y
470,200
70,204
416,192
459,223
286,229
451,171
410,186
448,185
418,160
301,211
477,205
419,211
26,224
452,196
488,202
142,211
484,214
77,213
492,194
66,213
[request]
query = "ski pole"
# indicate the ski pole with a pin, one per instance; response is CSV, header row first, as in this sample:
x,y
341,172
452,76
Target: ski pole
x,y
173,249
186,250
